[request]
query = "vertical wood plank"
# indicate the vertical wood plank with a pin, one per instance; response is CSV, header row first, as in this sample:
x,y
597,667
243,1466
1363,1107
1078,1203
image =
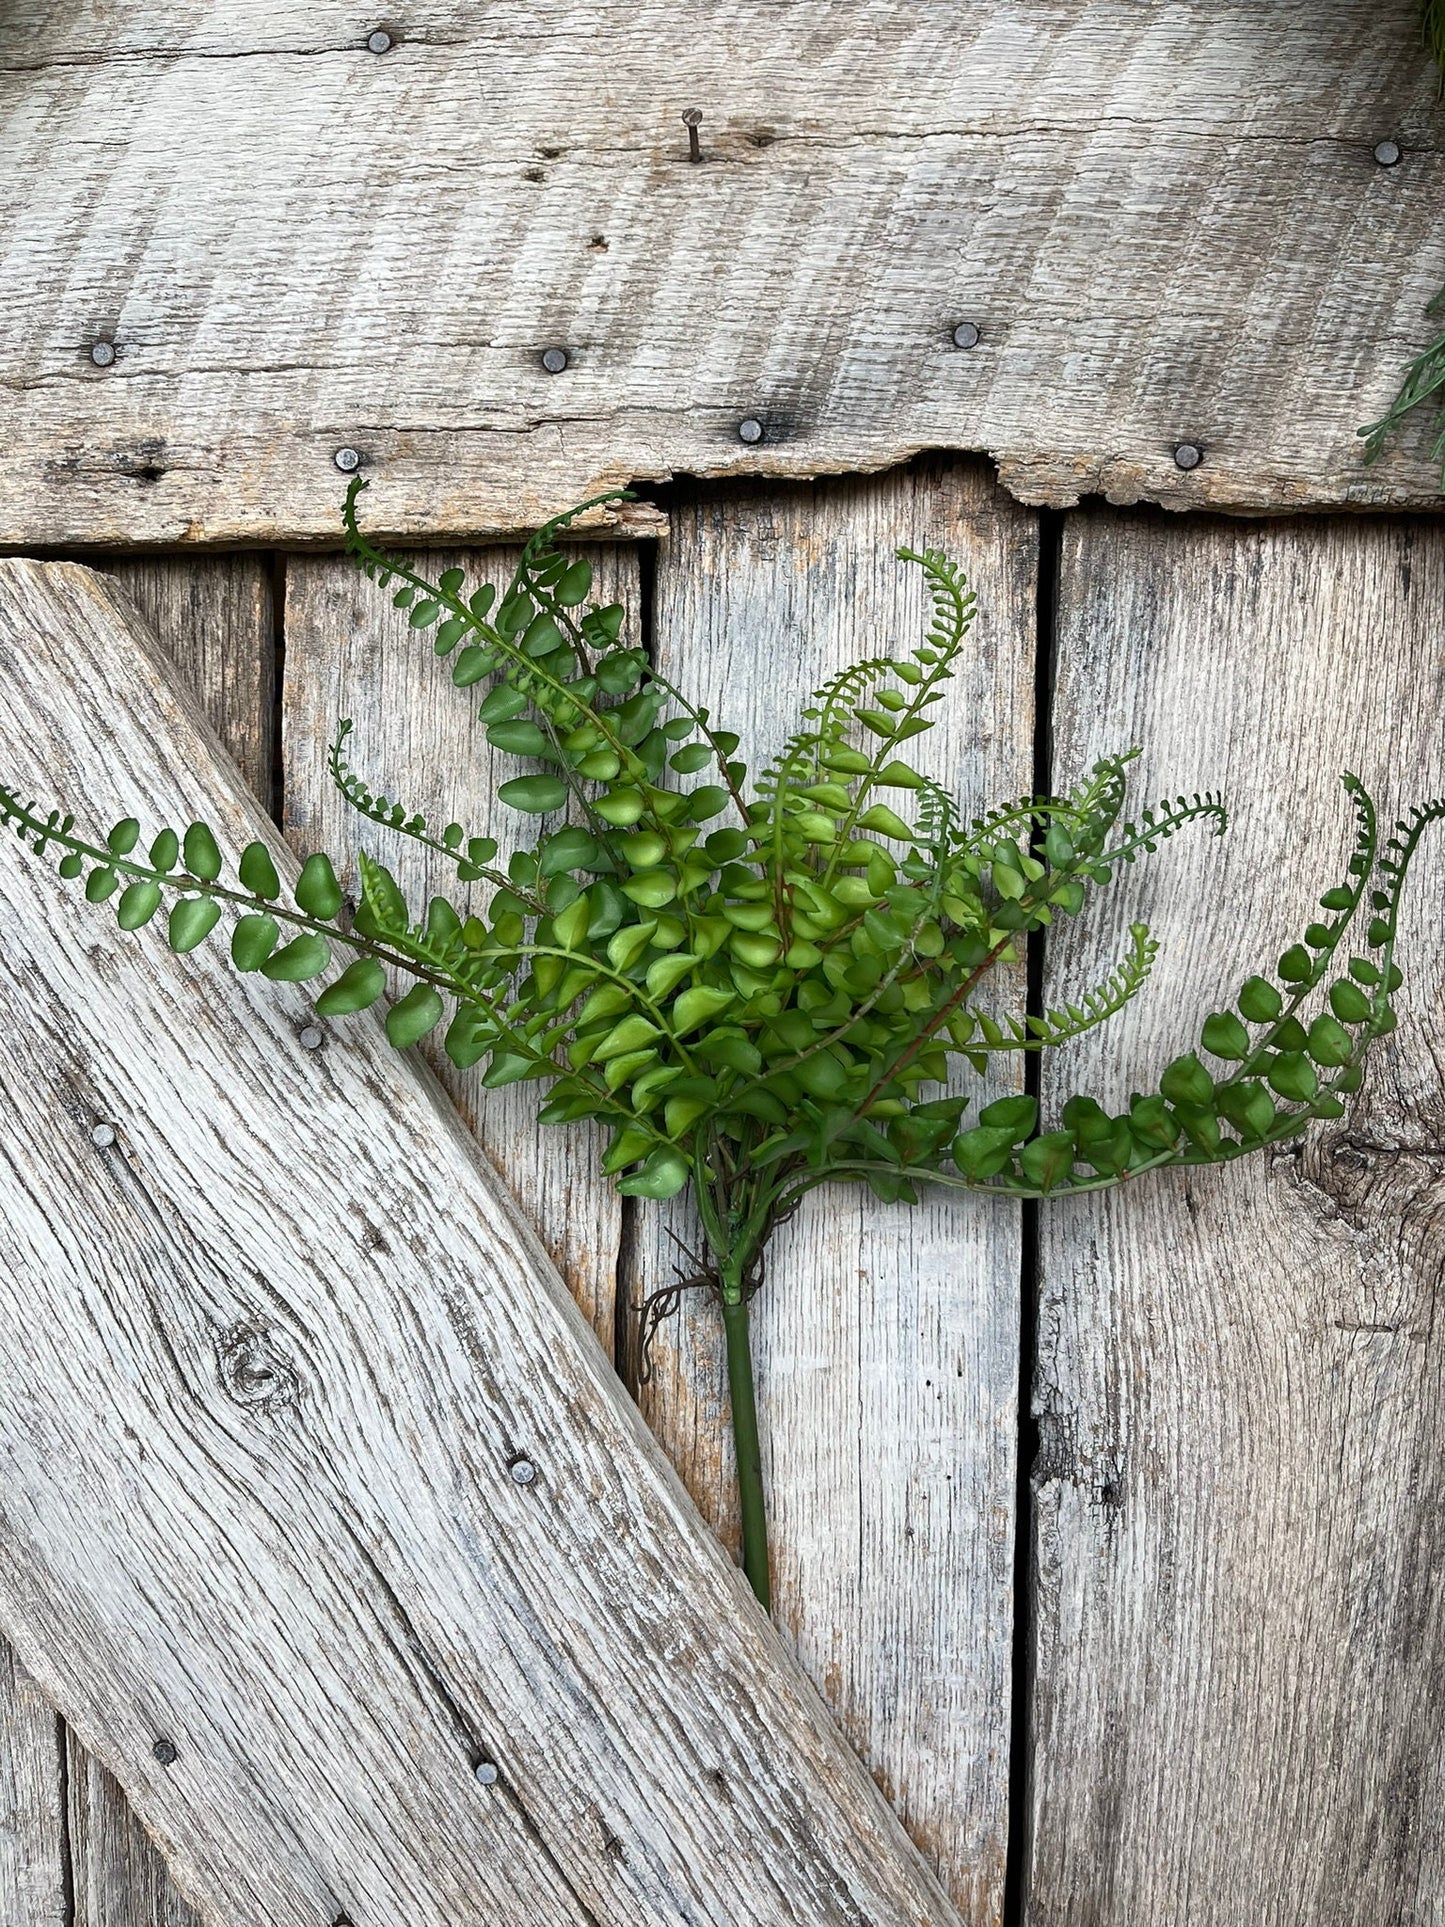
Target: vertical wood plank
x,y
213,616
350,653
33,1859
1241,1635
885,1337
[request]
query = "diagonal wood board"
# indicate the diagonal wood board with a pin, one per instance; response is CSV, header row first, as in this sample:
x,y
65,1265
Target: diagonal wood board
x,y
1167,223
265,1363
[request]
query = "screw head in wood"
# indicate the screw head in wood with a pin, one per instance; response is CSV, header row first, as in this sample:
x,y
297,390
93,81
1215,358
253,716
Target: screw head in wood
x,y
554,360
522,1470
311,1038
165,1752
486,1773
750,430
1387,153
1188,455
102,353
966,335
103,1136
378,42
347,460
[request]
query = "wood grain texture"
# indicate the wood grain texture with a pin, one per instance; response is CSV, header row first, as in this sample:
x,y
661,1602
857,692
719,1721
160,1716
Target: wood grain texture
x,y
265,1363
33,1856
1166,221
350,653
213,616
885,1338
1240,1634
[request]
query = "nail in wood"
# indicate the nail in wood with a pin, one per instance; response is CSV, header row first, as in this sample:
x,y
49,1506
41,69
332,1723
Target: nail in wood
x,y
692,120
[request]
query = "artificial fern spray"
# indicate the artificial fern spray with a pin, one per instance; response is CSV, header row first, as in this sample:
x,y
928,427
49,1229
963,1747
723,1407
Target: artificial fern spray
x,y
758,989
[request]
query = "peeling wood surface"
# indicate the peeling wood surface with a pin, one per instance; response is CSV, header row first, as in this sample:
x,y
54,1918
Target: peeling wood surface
x,y
1165,220
416,739
319,1344
886,1338
1241,1637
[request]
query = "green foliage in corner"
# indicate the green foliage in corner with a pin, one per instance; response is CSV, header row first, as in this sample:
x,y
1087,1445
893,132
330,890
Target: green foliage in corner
x,y
758,985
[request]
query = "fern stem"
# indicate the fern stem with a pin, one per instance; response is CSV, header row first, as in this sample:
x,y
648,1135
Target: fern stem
x,y
752,1501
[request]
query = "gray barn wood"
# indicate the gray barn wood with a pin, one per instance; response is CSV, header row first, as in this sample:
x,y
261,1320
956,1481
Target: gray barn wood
x,y
33,1889
212,614
285,1538
1166,222
886,1339
1240,1633
416,738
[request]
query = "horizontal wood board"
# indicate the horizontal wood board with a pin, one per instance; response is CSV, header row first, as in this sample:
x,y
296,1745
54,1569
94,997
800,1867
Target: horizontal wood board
x,y
1240,1640
885,1339
1166,222
262,1383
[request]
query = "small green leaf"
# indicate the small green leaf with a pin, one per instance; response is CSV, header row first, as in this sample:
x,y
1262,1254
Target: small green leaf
x,y
1224,1036
574,585
357,988
507,1067
627,946
124,836
139,902
667,973
202,855
317,891
1046,1161
1017,1115
518,738
699,1005
165,852
304,957
1329,1043
1349,1002
1187,1082
1293,1075
632,1034
410,1019
884,822
534,794
663,1175
1259,1001
1296,964
253,940
688,761
191,921
258,872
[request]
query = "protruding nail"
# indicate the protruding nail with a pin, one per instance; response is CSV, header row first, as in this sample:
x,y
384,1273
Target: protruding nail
x,y
692,120
165,1752
1188,455
347,460
1387,153
554,360
311,1038
103,1136
965,335
486,1772
522,1470
750,430
102,353
379,42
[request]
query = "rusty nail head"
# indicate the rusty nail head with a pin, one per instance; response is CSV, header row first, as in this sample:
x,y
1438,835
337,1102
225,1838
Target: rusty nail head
x,y
1387,153
347,459
378,42
750,430
103,1136
522,1470
965,335
1188,455
165,1752
311,1037
554,360
486,1773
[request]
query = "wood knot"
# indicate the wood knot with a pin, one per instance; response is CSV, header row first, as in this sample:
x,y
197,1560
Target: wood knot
x,y
255,1371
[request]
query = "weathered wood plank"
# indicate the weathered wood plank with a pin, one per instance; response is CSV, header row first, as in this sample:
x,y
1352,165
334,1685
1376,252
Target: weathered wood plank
x,y
213,616
886,1338
267,1360
1240,1636
1166,221
349,653
120,1880
33,1858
